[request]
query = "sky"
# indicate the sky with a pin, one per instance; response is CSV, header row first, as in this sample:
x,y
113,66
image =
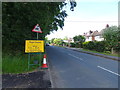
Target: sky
x,y
88,15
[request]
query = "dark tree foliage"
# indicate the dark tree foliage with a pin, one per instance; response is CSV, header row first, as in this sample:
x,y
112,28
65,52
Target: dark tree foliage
x,y
73,4
79,39
19,18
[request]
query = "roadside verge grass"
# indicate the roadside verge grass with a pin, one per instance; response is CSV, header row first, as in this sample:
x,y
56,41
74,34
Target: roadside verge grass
x,y
101,52
18,63
105,53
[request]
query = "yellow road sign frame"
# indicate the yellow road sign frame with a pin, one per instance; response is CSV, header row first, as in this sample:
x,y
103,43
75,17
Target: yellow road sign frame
x,y
34,46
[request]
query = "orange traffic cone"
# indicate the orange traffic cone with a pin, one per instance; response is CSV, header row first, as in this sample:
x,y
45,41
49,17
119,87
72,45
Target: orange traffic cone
x,y
44,65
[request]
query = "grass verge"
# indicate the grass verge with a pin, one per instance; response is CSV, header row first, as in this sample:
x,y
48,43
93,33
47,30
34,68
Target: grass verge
x,y
18,63
117,55
101,53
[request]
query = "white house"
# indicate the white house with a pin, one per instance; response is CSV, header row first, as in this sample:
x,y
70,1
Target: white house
x,y
93,35
69,40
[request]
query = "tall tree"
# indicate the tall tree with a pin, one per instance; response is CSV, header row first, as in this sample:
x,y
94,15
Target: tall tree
x,y
58,41
79,39
111,36
19,18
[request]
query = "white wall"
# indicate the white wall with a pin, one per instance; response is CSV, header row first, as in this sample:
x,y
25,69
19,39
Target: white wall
x,y
97,38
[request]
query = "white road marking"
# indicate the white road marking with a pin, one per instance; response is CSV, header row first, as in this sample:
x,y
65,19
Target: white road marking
x,y
108,70
76,57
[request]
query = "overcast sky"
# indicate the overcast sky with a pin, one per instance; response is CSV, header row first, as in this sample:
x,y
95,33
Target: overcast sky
x,y
88,15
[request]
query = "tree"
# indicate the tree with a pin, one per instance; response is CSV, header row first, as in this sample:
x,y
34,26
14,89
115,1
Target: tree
x,y
46,40
19,18
52,40
58,41
65,38
73,4
111,36
79,39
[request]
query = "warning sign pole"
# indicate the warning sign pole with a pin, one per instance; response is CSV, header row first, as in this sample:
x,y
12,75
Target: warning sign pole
x,y
33,47
37,36
29,61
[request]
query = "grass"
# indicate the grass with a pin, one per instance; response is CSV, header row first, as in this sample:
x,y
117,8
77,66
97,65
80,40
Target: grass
x,y
18,63
101,52
98,52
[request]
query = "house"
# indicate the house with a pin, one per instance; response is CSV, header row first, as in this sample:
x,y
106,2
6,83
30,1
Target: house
x,y
93,35
69,40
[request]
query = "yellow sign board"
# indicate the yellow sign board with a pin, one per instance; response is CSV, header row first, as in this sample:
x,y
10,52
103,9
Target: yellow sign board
x,y
33,46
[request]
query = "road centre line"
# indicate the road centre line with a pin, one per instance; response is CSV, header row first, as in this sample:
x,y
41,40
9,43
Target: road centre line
x,y
108,70
75,56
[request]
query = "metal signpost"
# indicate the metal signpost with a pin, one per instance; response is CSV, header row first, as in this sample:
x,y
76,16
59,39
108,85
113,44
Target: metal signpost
x,y
34,46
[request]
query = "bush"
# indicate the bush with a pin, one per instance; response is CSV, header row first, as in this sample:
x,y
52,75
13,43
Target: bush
x,y
117,48
85,44
65,44
107,52
99,46
72,44
77,45
91,45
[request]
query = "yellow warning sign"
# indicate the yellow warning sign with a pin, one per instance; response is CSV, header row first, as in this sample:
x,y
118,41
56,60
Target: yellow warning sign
x,y
32,46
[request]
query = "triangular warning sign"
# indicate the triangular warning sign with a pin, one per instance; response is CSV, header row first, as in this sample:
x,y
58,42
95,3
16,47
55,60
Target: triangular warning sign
x,y
37,29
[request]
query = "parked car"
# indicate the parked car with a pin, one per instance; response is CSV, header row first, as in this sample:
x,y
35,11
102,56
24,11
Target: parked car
x,y
47,44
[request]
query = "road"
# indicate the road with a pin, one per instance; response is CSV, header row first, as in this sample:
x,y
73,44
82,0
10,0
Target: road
x,y
71,69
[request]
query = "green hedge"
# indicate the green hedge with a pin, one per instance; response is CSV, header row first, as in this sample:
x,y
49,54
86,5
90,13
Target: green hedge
x,y
99,46
117,47
72,44
91,45
85,44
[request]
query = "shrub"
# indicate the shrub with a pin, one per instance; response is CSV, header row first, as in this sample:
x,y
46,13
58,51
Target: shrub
x,y
85,44
100,46
107,52
72,44
65,43
77,45
91,45
117,48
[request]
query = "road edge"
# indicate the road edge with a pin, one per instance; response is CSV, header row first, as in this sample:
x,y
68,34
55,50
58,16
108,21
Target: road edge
x,y
49,71
95,54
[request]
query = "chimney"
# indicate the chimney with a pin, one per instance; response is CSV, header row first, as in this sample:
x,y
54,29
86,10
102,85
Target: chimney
x,y
107,26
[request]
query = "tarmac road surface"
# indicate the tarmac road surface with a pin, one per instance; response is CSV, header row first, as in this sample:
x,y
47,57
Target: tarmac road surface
x,y
71,69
